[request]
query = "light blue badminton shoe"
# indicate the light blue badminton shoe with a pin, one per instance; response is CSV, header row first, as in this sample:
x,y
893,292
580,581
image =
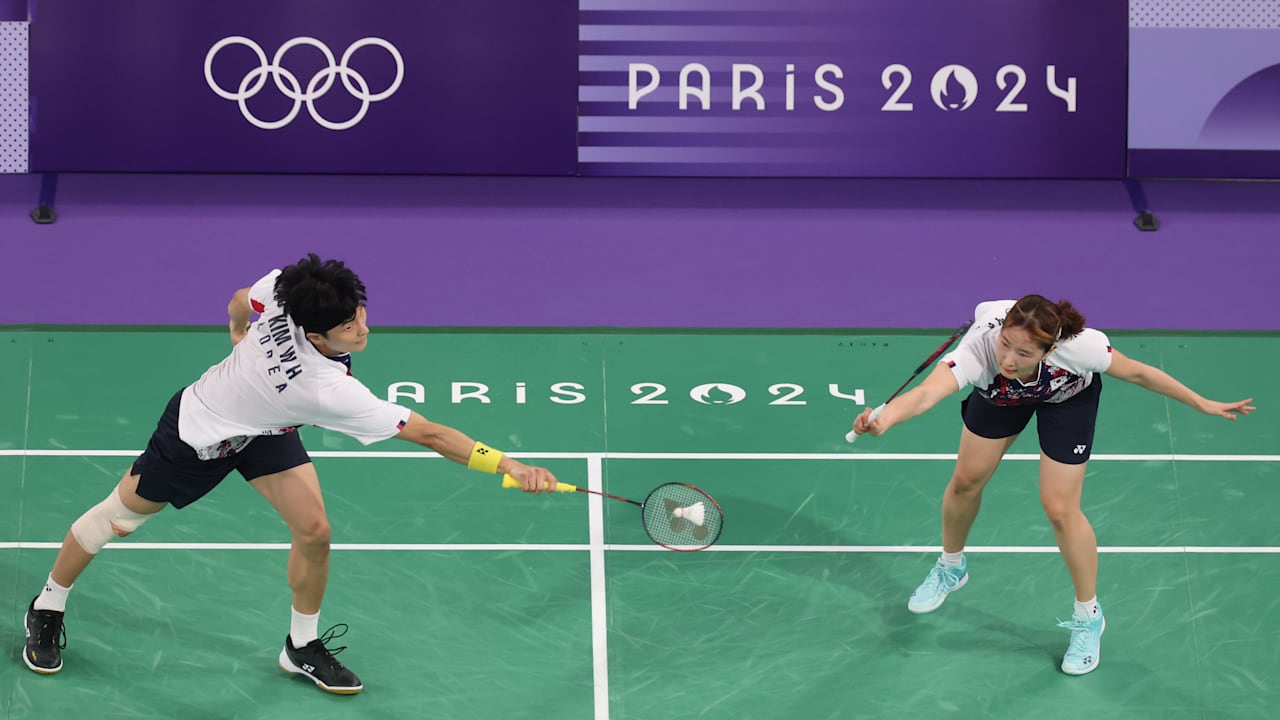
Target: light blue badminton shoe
x,y
942,580
1086,643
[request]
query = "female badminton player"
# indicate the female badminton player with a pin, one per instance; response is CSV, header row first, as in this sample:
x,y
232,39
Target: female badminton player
x,y
1024,358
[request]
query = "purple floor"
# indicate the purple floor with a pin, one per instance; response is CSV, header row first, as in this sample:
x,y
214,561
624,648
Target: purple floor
x,y
697,253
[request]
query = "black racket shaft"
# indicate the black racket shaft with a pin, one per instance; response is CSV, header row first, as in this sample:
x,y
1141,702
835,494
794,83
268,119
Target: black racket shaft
x,y
605,494
929,360
852,435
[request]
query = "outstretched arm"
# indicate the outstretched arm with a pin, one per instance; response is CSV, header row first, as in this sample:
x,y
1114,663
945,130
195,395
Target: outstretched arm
x,y
939,384
239,311
1154,379
454,445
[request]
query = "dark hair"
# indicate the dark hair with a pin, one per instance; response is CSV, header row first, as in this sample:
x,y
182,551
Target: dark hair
x,y
1046,322
319,295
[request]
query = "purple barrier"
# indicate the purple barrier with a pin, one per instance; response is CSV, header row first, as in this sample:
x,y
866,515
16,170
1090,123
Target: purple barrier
x,y
785,88
1204,91
873,88
685,253
395,86
11,10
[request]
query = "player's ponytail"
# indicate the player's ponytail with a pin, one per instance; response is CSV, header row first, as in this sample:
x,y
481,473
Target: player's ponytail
x,y
1046,322
1072,322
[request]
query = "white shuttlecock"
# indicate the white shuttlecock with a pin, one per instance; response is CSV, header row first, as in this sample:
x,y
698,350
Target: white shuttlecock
x,y
695,513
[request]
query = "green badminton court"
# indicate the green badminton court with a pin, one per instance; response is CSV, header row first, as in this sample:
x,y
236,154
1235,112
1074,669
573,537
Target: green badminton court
x,y
468,601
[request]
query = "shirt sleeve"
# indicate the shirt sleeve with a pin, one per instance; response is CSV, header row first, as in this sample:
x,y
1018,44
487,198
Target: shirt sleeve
x,y
968,361
1094,350
263,293
965,361
991,310
352,409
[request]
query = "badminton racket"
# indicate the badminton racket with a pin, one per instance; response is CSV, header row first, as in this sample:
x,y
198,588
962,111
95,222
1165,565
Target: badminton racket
x,y
852,436
675,515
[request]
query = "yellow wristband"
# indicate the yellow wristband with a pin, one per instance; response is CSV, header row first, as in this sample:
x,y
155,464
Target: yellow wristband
x,y
484,458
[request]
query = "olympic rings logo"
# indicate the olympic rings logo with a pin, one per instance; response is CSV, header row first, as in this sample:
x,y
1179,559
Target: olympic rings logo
x,y
317,86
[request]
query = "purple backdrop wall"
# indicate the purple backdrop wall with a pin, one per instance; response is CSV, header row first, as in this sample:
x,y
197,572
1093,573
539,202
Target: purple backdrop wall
x,y
438,251
1204,89
794,88
874,88
395,86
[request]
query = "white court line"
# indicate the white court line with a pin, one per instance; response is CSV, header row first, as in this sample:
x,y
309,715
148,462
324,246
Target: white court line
x,y
599,609
1151,457
598,547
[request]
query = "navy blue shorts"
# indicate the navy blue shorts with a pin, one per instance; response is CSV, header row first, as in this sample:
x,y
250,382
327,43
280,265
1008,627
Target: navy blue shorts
x,y
170,472
1066,428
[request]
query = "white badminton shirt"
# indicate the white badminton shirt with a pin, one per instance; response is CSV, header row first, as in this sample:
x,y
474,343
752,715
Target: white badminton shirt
x,y
1063,373
275,381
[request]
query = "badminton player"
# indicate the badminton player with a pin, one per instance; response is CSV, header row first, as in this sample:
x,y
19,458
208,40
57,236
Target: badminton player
x,y
291,367
1024,358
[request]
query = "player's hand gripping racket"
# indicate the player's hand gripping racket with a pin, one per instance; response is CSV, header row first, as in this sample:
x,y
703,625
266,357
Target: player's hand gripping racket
x,y
676,516
852,436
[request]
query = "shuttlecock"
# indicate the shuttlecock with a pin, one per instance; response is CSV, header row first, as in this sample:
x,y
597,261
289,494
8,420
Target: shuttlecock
x,y
695,513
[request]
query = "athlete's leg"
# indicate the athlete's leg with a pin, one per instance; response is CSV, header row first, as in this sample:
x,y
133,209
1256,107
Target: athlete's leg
x,y
1066,442
1061,486
167,471
118,515
295,495
73,558
1060,489
976,462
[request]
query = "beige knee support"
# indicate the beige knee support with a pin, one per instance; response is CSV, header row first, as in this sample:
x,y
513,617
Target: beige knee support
x,y
104,521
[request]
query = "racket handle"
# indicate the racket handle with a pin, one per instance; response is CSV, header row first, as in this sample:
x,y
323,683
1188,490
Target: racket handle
x,y
852,436
510,482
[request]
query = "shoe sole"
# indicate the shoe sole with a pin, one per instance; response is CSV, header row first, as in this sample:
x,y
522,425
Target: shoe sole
x,y
935,606
1097,661
287,665
26,620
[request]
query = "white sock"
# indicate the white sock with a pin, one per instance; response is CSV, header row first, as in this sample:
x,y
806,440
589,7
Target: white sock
x,y
53,597
954,560
303,628
1088,609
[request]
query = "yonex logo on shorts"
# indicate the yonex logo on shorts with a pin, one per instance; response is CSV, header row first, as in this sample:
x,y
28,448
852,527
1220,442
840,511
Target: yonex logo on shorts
x,y
292,88
1080,449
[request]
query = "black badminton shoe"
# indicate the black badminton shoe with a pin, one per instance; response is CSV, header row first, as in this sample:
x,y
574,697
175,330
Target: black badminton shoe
x,y
46,637
315,661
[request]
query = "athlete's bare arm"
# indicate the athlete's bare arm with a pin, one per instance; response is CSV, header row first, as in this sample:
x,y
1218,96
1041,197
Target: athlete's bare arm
x,y
454,445
239,311
937,385
1154,379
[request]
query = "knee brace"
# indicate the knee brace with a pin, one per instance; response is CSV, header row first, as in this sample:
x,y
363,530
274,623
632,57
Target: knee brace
x,y
108,519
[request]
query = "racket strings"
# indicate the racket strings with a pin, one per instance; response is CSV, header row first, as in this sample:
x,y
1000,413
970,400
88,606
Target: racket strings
x,y
691,518
681,517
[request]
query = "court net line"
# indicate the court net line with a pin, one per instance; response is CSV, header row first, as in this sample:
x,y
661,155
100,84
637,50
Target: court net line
x,y
845,456
588,547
